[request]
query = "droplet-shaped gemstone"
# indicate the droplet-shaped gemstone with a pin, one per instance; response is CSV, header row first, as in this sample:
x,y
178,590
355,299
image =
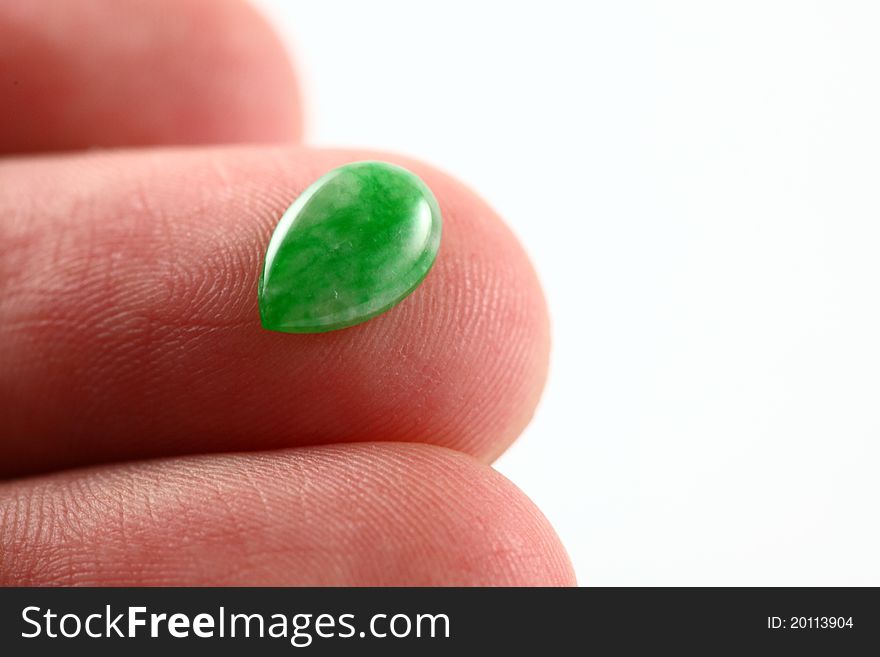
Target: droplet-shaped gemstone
x,y
353,245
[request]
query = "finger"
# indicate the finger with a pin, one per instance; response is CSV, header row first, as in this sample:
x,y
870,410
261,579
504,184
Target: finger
x,y
374,514
106,73
129,323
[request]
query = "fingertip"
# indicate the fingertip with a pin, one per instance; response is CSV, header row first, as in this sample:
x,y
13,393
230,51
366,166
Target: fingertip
x,y
462,361
103,73
165,258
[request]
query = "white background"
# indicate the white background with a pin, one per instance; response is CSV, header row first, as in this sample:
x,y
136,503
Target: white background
x,y
698,184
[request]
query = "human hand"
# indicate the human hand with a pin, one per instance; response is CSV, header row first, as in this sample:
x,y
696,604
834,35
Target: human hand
x,y
151,432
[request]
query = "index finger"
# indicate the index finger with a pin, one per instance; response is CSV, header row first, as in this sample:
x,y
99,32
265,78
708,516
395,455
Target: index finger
x,y
129,324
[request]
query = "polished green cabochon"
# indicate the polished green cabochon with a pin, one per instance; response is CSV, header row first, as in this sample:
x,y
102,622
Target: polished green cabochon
x,y
353,245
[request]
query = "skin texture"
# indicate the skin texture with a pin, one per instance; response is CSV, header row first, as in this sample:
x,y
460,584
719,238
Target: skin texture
x,y
389,514
129,330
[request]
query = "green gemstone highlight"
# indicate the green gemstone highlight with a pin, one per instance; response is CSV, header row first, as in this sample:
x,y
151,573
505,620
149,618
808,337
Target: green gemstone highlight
x,y
353,245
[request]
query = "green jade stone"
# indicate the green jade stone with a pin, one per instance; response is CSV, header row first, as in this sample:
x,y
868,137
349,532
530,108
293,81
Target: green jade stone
x,y
353,245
